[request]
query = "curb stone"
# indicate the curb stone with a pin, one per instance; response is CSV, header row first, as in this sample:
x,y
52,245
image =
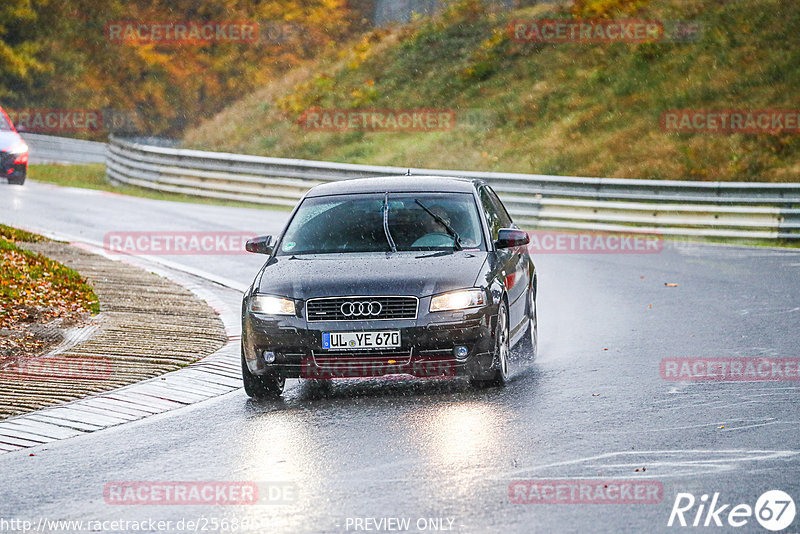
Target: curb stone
x,y
214,375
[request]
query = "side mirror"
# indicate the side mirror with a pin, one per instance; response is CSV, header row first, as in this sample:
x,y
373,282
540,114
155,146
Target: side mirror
x,y
260,245
511,237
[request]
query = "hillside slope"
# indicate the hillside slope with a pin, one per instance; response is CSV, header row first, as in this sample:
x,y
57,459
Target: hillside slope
x,y
570,109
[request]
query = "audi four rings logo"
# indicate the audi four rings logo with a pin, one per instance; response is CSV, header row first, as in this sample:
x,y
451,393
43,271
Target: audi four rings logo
x,y
361,309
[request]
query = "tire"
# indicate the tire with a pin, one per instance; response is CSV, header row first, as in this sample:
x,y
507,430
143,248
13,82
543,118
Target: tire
x,y
530,343
500,373
268,386
16,181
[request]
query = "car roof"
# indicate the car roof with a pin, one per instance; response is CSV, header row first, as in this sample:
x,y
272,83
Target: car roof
x,y
396,184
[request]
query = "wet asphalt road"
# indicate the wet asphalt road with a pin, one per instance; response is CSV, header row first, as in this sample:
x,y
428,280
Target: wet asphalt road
x,y
592,405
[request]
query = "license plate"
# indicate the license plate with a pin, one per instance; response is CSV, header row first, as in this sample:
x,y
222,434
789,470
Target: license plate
x,y
361,340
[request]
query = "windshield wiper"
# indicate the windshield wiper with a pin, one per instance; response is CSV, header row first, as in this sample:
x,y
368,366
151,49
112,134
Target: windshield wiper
x,y
386,223
453,233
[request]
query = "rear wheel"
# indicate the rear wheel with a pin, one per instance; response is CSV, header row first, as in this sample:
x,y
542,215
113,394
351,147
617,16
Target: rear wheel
x,y
16,181
499,374
267,386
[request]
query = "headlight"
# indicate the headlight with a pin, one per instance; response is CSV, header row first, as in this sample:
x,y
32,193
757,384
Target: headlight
x,y
458,300
19,148
272,305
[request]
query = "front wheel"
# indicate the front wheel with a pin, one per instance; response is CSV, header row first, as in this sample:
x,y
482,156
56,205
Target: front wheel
x,y
267,386
499,374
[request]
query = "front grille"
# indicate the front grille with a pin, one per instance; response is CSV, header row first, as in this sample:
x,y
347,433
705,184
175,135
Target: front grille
x,y
361,308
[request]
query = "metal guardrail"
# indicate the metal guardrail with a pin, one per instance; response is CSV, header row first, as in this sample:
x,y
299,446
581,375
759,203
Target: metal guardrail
x,y
705,209
51,149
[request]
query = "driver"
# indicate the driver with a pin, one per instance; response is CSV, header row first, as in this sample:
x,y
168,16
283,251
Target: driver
x,y
433,233
431,225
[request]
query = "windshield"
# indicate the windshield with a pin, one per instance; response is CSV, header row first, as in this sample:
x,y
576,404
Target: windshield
x,y
355,223
5,125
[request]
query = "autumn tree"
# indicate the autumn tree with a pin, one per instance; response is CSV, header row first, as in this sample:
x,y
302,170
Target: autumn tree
x,y
56,53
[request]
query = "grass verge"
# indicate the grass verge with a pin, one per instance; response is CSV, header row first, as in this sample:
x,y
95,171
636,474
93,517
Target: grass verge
x,y
572,109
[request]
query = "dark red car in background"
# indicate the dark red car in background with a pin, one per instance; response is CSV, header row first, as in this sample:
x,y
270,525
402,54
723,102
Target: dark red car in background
x,y
13,152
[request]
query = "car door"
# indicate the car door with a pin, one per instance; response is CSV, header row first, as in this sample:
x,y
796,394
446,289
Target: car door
x,y
511,269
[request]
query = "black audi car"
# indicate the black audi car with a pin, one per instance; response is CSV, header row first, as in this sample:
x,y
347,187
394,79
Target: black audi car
x,y
13,152
421,276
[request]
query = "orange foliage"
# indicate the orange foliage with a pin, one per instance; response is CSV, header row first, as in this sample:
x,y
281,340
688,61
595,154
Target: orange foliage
x,y
161,87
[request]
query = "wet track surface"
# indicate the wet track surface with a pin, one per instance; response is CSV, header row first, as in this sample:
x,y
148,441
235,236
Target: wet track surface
x,y
593,403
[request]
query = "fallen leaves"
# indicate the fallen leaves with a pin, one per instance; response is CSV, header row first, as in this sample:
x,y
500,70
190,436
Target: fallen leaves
x,y
36,290
15,234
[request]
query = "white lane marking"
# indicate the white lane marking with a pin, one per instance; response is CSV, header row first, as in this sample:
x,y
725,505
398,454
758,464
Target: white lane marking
x,y
731,428
98,248
686,462
712,425
763,312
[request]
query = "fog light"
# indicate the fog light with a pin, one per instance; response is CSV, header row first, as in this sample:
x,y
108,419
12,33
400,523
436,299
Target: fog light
x,y
269,357
461,352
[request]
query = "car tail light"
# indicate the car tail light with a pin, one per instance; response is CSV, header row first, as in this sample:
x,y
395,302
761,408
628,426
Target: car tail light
x,y
22,159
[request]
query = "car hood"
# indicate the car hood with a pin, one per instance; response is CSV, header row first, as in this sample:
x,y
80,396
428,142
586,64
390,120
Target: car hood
x,y
8,139
403,273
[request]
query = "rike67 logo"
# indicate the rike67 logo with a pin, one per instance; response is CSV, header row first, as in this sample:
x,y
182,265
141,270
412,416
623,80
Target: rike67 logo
x,y
774,510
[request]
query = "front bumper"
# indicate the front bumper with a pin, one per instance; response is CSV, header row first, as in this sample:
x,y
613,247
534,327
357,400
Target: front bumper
x,y
9,169
427,346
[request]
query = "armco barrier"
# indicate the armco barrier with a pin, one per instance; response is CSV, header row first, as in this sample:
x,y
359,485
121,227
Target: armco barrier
x,y
739,210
